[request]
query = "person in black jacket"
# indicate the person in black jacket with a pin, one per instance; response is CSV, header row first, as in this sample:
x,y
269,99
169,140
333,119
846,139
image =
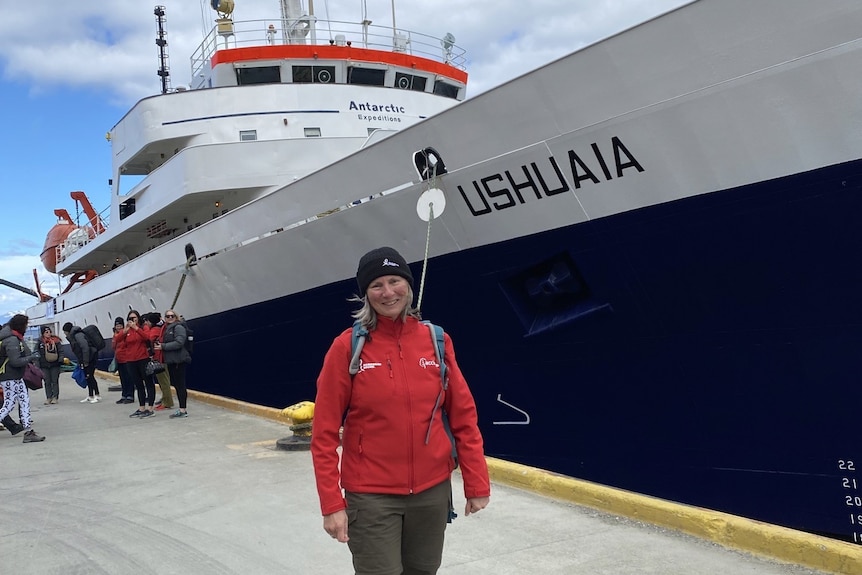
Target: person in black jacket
x,y
14,357
87,356
172,344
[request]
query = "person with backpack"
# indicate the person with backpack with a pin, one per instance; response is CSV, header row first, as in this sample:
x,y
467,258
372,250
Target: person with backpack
x,y
396,454
87,352
50,360
14,357
173,344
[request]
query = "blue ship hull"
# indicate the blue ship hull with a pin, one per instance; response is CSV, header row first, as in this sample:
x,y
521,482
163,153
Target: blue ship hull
x,y
705,351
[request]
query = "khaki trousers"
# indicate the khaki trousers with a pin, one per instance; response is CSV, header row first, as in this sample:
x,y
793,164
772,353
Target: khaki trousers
x,y
398,534
165,384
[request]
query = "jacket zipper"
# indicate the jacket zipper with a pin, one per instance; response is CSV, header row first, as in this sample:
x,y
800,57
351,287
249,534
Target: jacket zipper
x,y
409,404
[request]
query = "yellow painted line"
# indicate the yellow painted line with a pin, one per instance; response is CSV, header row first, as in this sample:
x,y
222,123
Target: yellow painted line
x,y
731,531
787,545
240,406
225,402
107,375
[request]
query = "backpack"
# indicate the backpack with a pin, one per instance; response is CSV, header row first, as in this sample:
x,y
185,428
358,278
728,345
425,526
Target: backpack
x,y
357,342
94,336
190,338
5,357
51,352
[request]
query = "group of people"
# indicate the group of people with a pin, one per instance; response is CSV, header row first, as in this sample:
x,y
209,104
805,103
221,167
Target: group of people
x,y
136,341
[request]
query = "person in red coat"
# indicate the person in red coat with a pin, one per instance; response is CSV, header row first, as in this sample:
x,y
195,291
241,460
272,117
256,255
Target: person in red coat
x,y
121,356
135,339
396,457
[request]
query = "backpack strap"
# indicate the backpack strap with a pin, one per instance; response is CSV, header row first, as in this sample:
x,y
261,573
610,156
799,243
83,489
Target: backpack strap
x,y
439,349
437,336
357,342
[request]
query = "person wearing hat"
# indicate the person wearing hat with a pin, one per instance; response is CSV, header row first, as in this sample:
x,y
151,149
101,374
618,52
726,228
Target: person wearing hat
x,y
50,360
121,356
395,464
87,356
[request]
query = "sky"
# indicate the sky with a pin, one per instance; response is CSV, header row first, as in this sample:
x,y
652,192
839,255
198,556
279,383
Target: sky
x,y
69,71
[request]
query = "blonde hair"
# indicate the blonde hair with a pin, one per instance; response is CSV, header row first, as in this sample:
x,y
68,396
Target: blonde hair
x,y
368,317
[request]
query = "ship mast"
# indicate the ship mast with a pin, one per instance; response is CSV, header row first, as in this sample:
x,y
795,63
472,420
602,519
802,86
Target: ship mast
x,y
295,24
394,29
164,71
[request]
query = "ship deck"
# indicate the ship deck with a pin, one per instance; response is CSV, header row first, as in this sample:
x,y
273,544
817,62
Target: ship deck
x,y
212,494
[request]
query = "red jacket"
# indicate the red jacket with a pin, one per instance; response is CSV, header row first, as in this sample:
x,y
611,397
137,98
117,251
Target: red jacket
x,y
133,344
390,402
155,334
120,352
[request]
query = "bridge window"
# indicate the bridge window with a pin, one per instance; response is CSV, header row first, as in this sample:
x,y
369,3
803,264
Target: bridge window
x,y
258,75
365,76
313,74
410,82
247,135
444,89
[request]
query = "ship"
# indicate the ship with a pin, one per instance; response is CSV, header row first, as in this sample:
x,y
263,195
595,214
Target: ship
x,y
644,252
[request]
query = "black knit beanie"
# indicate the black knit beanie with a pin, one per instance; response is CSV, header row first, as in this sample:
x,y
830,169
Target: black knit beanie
x,y
381,262
119,322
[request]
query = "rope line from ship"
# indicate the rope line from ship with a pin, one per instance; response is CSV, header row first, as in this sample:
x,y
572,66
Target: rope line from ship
x,y
191,258
430,206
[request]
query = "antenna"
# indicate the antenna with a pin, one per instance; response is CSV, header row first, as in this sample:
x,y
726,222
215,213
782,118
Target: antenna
x,y
164,71
448,42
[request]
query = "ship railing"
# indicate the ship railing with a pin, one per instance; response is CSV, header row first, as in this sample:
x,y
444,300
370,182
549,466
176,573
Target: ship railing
x,y
309,30
77,239
82,236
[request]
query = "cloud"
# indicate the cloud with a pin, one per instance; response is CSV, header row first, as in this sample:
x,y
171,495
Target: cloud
x,y
111,46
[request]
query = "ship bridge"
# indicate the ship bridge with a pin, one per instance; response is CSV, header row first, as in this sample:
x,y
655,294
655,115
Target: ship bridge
x,y
293,50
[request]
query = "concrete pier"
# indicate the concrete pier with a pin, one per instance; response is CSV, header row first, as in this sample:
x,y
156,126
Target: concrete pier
x,y
211,494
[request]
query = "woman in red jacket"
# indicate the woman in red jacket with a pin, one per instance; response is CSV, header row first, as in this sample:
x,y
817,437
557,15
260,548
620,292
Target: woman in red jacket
x,y
396,457
121,356
136,342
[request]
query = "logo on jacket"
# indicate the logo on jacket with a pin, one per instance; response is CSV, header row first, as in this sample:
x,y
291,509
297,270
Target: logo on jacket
x,y
424,363
386,262
369,365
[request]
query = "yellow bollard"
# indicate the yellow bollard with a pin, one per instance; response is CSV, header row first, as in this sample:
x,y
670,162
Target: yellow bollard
x,y
300,415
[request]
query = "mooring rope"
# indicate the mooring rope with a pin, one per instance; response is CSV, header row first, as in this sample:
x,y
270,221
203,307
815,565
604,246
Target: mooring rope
x,y
432,183
425,259
182,281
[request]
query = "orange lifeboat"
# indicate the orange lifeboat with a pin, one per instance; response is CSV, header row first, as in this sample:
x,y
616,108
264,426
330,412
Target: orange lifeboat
x,y
65,229
59,234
